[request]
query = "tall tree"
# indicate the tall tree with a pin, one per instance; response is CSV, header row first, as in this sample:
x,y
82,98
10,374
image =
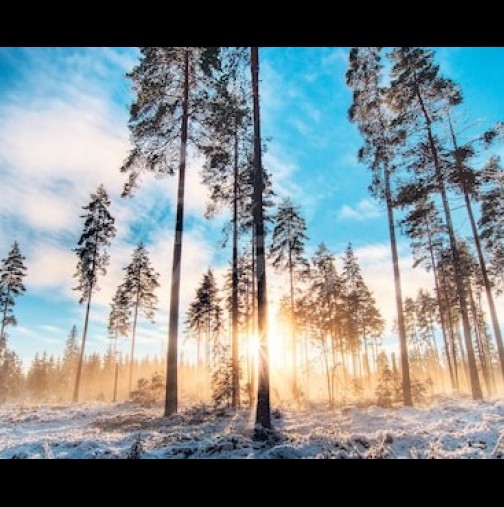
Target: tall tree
x,y
12,273
374,120
97,233
263,412
288,253
418,93
466,179
227,151
138,291
492,217
172,86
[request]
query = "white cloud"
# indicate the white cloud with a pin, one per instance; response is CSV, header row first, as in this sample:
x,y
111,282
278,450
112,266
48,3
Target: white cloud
x,y
365,210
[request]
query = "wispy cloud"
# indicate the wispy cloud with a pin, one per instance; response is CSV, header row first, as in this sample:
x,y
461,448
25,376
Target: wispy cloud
x,y
364,210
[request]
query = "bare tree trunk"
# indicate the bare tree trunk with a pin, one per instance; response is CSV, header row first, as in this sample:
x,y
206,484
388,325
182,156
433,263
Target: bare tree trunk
x,y
263,414
235,398
5,309
405,369
171,401
294,386
133,339
83,347
116,377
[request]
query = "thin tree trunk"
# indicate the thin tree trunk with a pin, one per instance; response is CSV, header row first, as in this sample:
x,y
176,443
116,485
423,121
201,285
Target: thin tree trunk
x,y
5,310
294,386
133,339
440,306
263,414
171,401
116,377
235,398
481,257
83,347
405,371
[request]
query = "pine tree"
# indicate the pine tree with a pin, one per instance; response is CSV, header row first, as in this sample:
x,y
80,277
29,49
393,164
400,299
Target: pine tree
x,y
98,231
288,253
70,360
11,374
119,317
263,412
491,222
374,120
172,86
418,93
138,292
204,318
12,273
466,181
227,153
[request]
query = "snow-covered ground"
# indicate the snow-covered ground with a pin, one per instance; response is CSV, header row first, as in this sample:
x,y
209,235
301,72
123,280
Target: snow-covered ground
x,y
451,429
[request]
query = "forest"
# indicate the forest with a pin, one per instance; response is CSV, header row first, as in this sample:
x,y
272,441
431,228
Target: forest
x,y
324,346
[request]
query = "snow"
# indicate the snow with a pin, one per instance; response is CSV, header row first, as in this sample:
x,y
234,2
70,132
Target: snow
x,y
449,429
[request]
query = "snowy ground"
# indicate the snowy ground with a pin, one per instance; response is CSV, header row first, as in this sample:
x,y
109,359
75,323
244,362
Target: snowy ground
x,y
451,429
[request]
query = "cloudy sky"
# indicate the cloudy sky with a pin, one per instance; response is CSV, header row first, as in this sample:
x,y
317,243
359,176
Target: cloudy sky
x,y
63,131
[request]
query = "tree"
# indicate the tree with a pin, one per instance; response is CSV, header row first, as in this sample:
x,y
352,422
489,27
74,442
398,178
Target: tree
x,y
204,317
172,86
98,231
418,93
227,153
263,411
374,120
466,180
119,317
70,360
138,292
11,373
12,273
288,253
491,222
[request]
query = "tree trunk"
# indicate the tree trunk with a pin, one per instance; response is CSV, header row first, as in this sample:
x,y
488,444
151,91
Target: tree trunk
x,y
481,257
83,347
263,414
4,318
116,377
235,399
133,339
171,401
405,371
294,386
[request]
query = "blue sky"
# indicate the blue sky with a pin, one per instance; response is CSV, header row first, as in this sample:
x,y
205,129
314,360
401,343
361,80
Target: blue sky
x,y
63,131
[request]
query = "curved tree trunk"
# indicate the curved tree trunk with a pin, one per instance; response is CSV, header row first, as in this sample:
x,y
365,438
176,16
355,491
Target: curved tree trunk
x,y
171,401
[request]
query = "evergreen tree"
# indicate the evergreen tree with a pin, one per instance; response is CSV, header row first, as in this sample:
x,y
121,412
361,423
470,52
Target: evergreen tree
x,y
98,231
138,292
70,360
492,217
204,318
12,273
227,153
11,374
172,86
119,317
288,253
374,120
419,93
